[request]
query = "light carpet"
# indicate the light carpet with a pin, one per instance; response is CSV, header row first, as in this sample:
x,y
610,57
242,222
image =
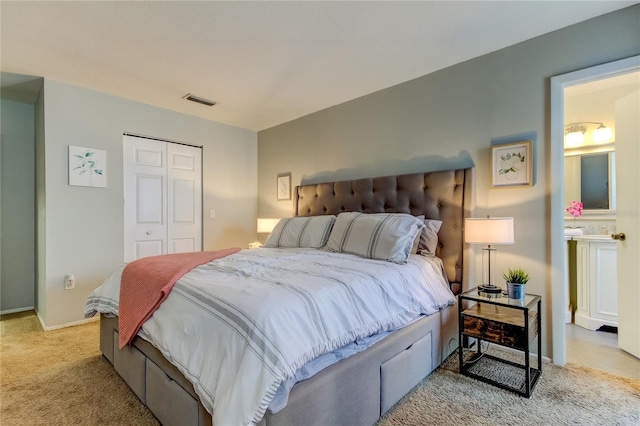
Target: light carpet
x,y
60,378
570,395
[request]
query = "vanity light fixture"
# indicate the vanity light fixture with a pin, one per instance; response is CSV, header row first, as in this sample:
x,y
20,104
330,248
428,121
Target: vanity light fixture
x,y
574,133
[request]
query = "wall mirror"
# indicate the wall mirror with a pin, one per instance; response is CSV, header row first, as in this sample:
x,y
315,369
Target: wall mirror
x,y
590,177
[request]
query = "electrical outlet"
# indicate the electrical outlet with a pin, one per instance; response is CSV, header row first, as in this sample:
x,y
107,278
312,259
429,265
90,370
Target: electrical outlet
x,y
69,282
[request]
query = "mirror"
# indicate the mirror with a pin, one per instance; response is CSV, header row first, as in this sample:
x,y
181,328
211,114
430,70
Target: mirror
x,y
590,178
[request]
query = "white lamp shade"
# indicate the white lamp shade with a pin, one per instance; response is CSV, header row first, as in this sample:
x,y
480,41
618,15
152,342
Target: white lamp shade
x,y
490,230
266,225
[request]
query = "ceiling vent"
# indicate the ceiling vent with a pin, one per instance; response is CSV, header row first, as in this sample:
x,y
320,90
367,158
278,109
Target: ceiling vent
x,y
198,99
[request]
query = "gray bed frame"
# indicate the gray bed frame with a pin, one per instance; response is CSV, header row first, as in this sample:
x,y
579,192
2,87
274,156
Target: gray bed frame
x,y
361,388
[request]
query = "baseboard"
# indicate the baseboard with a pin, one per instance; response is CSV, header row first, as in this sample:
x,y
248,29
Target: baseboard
x,y
15,311
69,324
40,319
585,321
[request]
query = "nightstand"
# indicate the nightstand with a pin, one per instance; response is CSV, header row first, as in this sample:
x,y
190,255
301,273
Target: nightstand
x,y
512,323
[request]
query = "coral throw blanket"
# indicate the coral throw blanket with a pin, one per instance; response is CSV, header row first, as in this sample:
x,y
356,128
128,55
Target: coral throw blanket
x,y
147,282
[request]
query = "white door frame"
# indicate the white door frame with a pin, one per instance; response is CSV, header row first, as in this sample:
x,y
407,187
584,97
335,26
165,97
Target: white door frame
x,y
556,179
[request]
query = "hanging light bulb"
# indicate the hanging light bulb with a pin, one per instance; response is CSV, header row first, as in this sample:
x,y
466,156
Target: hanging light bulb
x,y
602,134
572,140
574,136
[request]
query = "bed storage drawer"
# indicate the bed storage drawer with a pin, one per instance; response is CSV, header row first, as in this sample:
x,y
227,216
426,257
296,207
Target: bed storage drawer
x,y
404,371
170,403
129,362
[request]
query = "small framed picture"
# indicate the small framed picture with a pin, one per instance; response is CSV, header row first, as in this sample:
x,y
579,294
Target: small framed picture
x,y
284,186
512,165
87,167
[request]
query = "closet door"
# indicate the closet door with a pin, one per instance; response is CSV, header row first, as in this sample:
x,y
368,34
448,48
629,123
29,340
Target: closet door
x,y
145,200
184,173
163,198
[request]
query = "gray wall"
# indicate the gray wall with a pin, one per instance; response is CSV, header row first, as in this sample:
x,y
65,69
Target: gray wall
x,y
451,118
17,265
83,227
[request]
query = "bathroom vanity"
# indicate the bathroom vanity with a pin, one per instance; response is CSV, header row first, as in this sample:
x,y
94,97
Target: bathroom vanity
x,y
596,276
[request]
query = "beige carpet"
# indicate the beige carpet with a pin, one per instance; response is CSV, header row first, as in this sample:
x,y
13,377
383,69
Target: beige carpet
x,y
60,378
570,395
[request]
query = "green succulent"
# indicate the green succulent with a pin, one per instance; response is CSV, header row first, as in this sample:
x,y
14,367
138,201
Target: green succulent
x,y
516,276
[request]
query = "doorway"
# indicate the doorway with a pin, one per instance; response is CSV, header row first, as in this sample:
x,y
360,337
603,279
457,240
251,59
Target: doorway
x,y
558,245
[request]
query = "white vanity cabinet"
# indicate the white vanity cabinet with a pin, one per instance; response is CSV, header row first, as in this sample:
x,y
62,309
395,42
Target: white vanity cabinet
x,y
597,282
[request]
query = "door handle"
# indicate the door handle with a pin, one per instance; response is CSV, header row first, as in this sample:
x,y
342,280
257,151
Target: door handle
x,y
619,237
149,233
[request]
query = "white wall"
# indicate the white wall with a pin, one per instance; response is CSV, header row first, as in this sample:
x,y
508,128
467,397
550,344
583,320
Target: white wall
x,y
84,225
17,266
450,119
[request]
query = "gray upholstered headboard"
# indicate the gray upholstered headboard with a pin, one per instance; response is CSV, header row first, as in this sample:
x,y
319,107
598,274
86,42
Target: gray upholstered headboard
x,y
442,195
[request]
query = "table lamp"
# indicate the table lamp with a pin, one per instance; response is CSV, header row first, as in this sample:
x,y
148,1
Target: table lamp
x,y
489,230
266,225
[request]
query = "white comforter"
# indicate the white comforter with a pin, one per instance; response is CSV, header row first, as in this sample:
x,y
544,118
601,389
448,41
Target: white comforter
x,y
239,326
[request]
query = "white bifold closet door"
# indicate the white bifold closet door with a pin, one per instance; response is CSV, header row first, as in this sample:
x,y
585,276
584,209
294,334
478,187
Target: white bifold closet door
x,y
162,198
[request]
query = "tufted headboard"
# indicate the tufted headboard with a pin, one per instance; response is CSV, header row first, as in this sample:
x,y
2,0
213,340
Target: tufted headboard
x,y
442,195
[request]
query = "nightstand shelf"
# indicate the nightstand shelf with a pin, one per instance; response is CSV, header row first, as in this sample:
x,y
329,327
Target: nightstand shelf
x,y
511,323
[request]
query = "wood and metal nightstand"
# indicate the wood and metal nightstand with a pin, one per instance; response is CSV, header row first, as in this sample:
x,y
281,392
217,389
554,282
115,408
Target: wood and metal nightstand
x,y
512,323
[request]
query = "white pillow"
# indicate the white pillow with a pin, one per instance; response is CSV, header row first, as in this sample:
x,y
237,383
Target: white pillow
x,y
307,232
382,236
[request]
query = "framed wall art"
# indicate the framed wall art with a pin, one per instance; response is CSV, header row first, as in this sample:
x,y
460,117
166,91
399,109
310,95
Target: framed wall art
x,y
284,186
511,164
87,167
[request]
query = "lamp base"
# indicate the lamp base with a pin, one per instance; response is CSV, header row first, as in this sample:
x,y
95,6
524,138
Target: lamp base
x,y
490,289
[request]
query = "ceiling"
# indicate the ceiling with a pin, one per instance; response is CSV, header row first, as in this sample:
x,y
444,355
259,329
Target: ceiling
x,y
264,62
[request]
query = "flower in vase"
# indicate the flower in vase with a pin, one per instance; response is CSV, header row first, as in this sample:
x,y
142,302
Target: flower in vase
x,y
575,210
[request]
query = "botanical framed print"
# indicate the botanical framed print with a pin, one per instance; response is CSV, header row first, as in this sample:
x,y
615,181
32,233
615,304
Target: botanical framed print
x,y
87,167
512,165
284,186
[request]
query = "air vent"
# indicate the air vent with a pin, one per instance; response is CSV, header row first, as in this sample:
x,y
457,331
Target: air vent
x,y
199,100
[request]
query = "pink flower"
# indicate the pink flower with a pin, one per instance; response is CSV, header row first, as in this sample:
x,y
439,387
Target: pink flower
x,y
574,209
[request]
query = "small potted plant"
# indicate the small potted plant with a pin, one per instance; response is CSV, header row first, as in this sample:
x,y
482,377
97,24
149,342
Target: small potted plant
x,y
516,279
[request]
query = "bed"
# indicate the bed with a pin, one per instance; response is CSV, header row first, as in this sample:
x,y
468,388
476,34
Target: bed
x,y
362,387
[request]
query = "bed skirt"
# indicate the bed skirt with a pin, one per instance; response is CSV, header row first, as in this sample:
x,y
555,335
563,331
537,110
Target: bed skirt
x,y
355,391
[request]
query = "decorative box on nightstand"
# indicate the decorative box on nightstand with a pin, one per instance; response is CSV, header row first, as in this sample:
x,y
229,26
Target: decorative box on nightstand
x,y
512,323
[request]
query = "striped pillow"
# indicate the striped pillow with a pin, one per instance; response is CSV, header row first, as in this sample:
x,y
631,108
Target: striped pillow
x,y
306,232
382,236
